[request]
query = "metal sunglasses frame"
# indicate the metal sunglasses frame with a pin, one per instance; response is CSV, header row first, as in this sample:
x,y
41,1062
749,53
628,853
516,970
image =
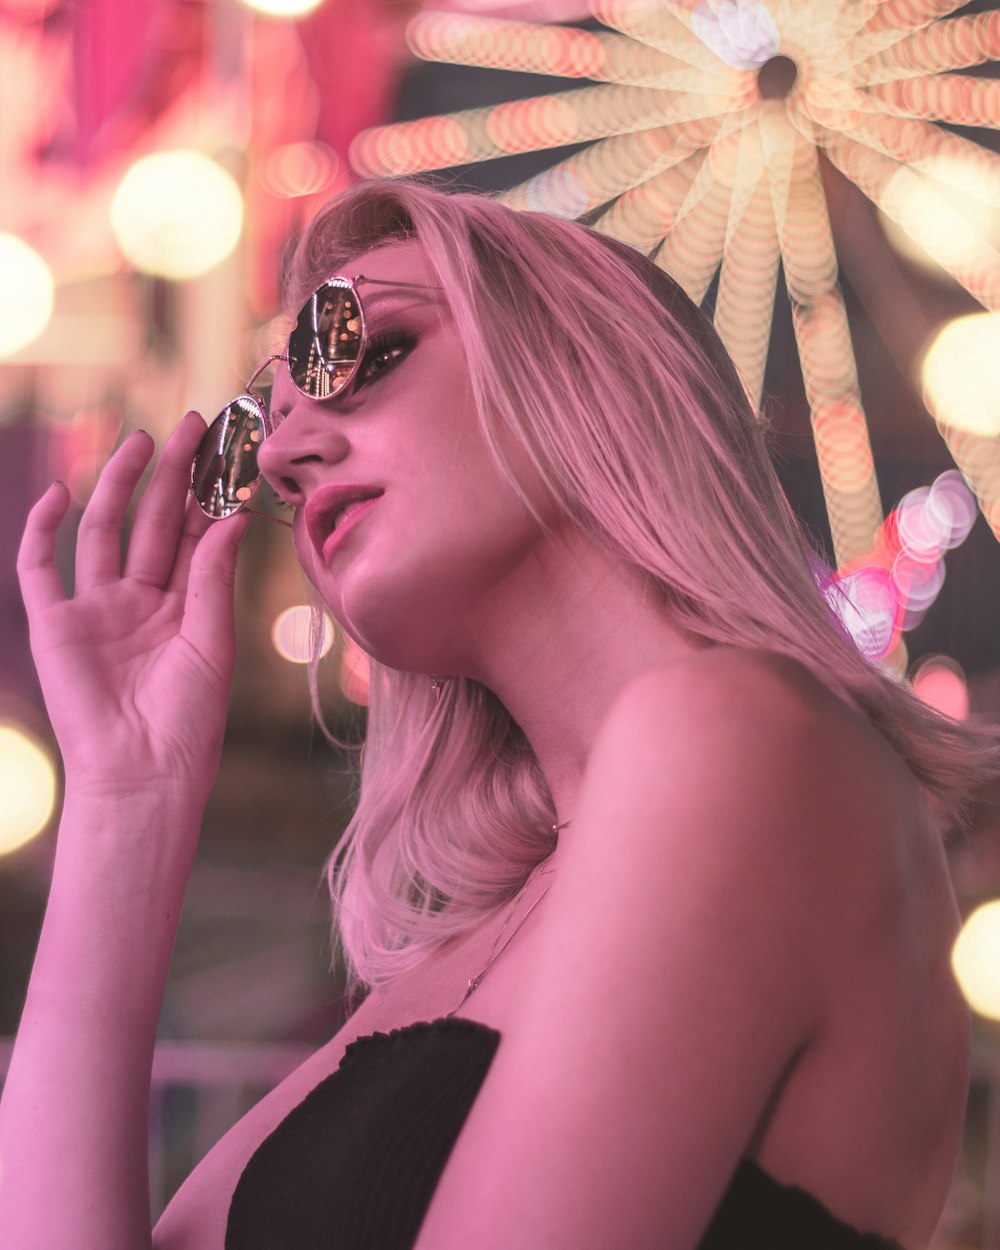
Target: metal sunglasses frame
x,y
215,456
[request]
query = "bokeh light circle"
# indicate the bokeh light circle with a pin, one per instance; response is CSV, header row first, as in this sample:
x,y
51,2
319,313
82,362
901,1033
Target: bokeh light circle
x,y
28,786
940,683
283,8
953,507
177,214
292,634
975,960
303,168
866,602
961,374
26,294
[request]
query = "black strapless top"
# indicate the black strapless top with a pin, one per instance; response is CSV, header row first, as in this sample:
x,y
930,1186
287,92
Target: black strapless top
x,y
354,1166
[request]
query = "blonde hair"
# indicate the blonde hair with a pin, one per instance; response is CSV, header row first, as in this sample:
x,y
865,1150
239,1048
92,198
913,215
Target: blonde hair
x,y
591,359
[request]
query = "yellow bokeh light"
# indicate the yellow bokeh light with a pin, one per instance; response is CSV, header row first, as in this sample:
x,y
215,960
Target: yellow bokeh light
x,y
28,786
946,213
975,960
283,8
292,634
25,294
177,214
961,374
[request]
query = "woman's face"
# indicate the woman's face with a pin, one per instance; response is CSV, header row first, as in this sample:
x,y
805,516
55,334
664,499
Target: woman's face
x,y
415,573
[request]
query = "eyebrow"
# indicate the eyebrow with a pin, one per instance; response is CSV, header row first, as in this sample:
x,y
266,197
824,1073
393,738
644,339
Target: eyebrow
x,y
380,295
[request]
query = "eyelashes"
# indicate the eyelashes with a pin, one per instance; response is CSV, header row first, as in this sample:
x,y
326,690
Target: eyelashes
x,y
385,351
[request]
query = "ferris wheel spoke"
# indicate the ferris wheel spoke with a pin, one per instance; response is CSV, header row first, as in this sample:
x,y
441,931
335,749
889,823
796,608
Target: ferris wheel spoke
x,y
822,334
978,458
646,214
901,194
958,99
747,284
692,250
891,22
953,43
612,167
532,125
539,48
949,158
666,27
844,23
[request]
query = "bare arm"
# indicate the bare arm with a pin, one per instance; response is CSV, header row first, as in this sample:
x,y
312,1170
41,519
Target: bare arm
x,y
135,668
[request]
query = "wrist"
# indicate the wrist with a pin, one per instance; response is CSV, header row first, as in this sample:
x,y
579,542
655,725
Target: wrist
x,y
134,844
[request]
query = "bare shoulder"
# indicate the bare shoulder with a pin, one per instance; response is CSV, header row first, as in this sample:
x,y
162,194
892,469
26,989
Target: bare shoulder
x,y
742,689
748,745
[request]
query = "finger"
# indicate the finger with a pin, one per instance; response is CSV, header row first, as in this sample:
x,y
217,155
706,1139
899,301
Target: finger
x,y
41,585
196,525
208,605
156,531
99,539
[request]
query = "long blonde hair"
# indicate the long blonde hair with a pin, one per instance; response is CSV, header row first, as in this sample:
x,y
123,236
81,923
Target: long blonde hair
x,y
593,361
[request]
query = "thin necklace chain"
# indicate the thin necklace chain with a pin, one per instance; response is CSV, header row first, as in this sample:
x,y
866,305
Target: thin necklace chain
x,y
497,950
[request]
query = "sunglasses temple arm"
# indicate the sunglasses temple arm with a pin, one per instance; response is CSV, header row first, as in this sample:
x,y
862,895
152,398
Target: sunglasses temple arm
x,y
262,367
268,517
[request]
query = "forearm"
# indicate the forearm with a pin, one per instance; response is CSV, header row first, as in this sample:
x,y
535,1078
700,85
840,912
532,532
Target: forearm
x,y
75,1108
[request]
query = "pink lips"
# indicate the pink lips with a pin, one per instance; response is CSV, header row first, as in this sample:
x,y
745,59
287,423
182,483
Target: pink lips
x,y
334,511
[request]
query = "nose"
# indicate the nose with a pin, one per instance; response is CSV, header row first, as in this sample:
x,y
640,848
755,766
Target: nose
x,y
303,445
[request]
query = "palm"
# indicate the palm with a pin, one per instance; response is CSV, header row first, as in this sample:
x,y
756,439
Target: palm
x,y
136,666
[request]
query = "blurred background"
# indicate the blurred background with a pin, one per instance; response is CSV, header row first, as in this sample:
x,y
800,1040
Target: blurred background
x,y
823,176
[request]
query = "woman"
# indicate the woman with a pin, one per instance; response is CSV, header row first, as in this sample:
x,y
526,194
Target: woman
x,y
646,880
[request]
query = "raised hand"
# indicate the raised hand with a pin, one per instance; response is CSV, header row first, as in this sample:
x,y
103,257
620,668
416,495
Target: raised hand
x,y
136,665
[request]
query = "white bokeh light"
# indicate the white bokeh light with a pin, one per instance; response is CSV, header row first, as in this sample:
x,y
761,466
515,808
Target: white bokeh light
x,y
177,214
292,634
961,374
283,8
28,786
26,294
975,959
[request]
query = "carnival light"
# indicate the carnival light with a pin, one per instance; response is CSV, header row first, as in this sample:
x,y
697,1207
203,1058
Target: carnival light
x,y
703,136
300,637
28,785
303,168
26,294
961,374
889,590
283,8
177,214
940,683
975,960
947,190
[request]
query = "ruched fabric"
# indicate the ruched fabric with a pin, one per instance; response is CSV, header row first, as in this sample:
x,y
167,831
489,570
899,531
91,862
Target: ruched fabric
x,y
354,1166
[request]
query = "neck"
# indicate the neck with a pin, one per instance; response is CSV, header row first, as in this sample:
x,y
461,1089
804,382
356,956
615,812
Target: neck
x,y
561,642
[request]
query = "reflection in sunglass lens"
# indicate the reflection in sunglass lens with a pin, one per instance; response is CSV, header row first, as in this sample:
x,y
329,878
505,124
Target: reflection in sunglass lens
x,y
325,346
224,475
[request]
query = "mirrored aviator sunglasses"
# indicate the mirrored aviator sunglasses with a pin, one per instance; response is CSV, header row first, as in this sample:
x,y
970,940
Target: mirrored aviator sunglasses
x,y
325,350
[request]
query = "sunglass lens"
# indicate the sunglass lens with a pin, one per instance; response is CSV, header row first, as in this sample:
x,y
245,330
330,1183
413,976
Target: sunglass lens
x,y
224,474
325,345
